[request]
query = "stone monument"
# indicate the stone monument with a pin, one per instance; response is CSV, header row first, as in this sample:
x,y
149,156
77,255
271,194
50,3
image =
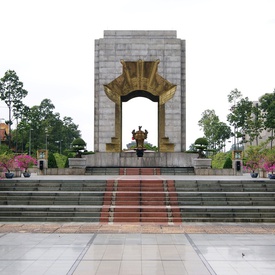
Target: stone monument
x,y
132,64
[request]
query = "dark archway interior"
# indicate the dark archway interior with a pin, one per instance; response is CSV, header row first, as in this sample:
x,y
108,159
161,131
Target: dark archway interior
x,y
139,93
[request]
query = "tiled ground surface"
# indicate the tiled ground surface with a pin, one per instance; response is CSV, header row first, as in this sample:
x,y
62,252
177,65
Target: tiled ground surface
x,y
141,254
137,249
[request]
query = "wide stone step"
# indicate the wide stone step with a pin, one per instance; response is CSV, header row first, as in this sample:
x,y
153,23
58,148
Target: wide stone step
x,y
50,198
139,171
50,208
102,171
26,213
177,171
253,186
227,203
138,201
50,185
218,198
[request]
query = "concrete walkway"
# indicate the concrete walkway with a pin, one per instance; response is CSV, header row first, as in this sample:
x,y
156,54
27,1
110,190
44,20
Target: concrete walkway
x,y
125,249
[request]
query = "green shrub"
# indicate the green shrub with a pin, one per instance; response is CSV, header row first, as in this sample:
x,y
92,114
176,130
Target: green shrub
x,y
51,161
219,160
67,163
60,160
228,163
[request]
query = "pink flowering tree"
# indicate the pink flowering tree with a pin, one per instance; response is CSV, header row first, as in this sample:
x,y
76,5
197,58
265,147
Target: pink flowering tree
x,y
268,162
253,156
251,166
7,162
25,161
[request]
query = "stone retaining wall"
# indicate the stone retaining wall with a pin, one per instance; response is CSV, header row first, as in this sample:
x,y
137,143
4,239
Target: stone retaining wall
x,y
214,172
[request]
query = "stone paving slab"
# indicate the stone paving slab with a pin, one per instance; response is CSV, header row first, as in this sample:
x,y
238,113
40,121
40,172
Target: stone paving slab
x,y
189,228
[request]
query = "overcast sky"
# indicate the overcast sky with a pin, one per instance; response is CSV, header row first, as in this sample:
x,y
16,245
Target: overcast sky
x,y
50,44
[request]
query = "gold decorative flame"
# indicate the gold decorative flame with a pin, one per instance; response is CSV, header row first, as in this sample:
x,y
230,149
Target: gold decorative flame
x,y
140,75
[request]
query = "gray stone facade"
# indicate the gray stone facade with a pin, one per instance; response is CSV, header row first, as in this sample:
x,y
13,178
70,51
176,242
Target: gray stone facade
x,y
134,46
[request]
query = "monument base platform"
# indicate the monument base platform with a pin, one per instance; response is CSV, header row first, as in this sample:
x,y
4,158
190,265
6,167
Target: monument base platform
x,y
149,159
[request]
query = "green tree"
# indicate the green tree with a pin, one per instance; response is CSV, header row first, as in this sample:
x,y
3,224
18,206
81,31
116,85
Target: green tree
x,y
245,118
42,125
232,118
222,133
215,131
69,132
240,118
233,96
255,125
267,105
12,93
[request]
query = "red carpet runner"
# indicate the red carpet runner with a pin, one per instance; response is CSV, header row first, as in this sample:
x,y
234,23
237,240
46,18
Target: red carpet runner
x,y
140,201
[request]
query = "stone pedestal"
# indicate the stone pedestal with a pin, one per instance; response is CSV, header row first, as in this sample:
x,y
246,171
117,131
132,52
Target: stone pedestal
x,y
202,163
77,162
149,159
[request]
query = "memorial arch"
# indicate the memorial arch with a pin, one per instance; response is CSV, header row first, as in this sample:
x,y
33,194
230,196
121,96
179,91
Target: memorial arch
x,y
132,64
140,79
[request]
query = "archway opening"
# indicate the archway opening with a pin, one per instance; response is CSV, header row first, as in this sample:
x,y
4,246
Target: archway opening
x,y
139,111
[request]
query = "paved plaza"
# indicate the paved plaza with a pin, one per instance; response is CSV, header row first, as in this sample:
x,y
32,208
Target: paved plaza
x,y
94,248
188,248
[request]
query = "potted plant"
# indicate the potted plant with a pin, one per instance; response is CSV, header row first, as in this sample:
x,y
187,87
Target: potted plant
x,y
24,162
202,161
253,156
252,168
7,163
268,163
78,147
201,145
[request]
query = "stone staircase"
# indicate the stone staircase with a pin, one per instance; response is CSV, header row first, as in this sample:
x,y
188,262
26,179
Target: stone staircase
x,y
137,200
226,201
52,201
